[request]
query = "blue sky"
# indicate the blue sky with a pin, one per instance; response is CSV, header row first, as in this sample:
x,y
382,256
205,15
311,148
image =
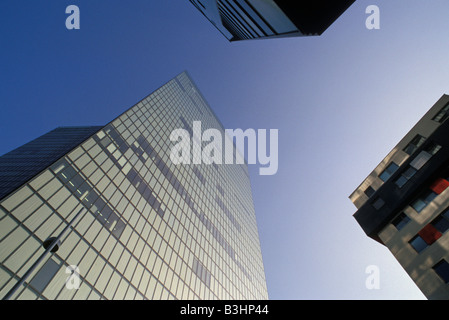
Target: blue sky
x,y
341,102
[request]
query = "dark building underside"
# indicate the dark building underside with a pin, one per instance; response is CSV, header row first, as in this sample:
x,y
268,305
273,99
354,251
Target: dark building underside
x,y
313,17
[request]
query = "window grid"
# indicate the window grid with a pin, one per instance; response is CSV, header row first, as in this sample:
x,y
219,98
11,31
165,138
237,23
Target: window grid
x,y
161,249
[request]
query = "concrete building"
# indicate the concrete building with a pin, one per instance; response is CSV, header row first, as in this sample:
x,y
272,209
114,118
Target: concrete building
x,y
404,203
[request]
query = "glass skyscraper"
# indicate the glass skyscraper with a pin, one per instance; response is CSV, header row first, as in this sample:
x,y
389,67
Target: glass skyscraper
x,y
264,19
149,229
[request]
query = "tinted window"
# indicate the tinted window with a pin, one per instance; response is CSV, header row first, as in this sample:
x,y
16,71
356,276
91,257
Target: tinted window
x,y
442,269
45,274
369,191
405,176
414,144
418,243
400,221
378,203
420,203
443,114
388,172
441,223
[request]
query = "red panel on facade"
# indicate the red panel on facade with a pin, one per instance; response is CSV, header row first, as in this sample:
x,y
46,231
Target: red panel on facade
x,y
439,185
429,234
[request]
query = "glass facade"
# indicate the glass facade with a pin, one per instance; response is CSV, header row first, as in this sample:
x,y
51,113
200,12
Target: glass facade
x,y
242,19
151,229
255,19
23,163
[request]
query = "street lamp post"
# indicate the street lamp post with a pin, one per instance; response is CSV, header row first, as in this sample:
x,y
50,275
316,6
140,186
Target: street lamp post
x,y
50,245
